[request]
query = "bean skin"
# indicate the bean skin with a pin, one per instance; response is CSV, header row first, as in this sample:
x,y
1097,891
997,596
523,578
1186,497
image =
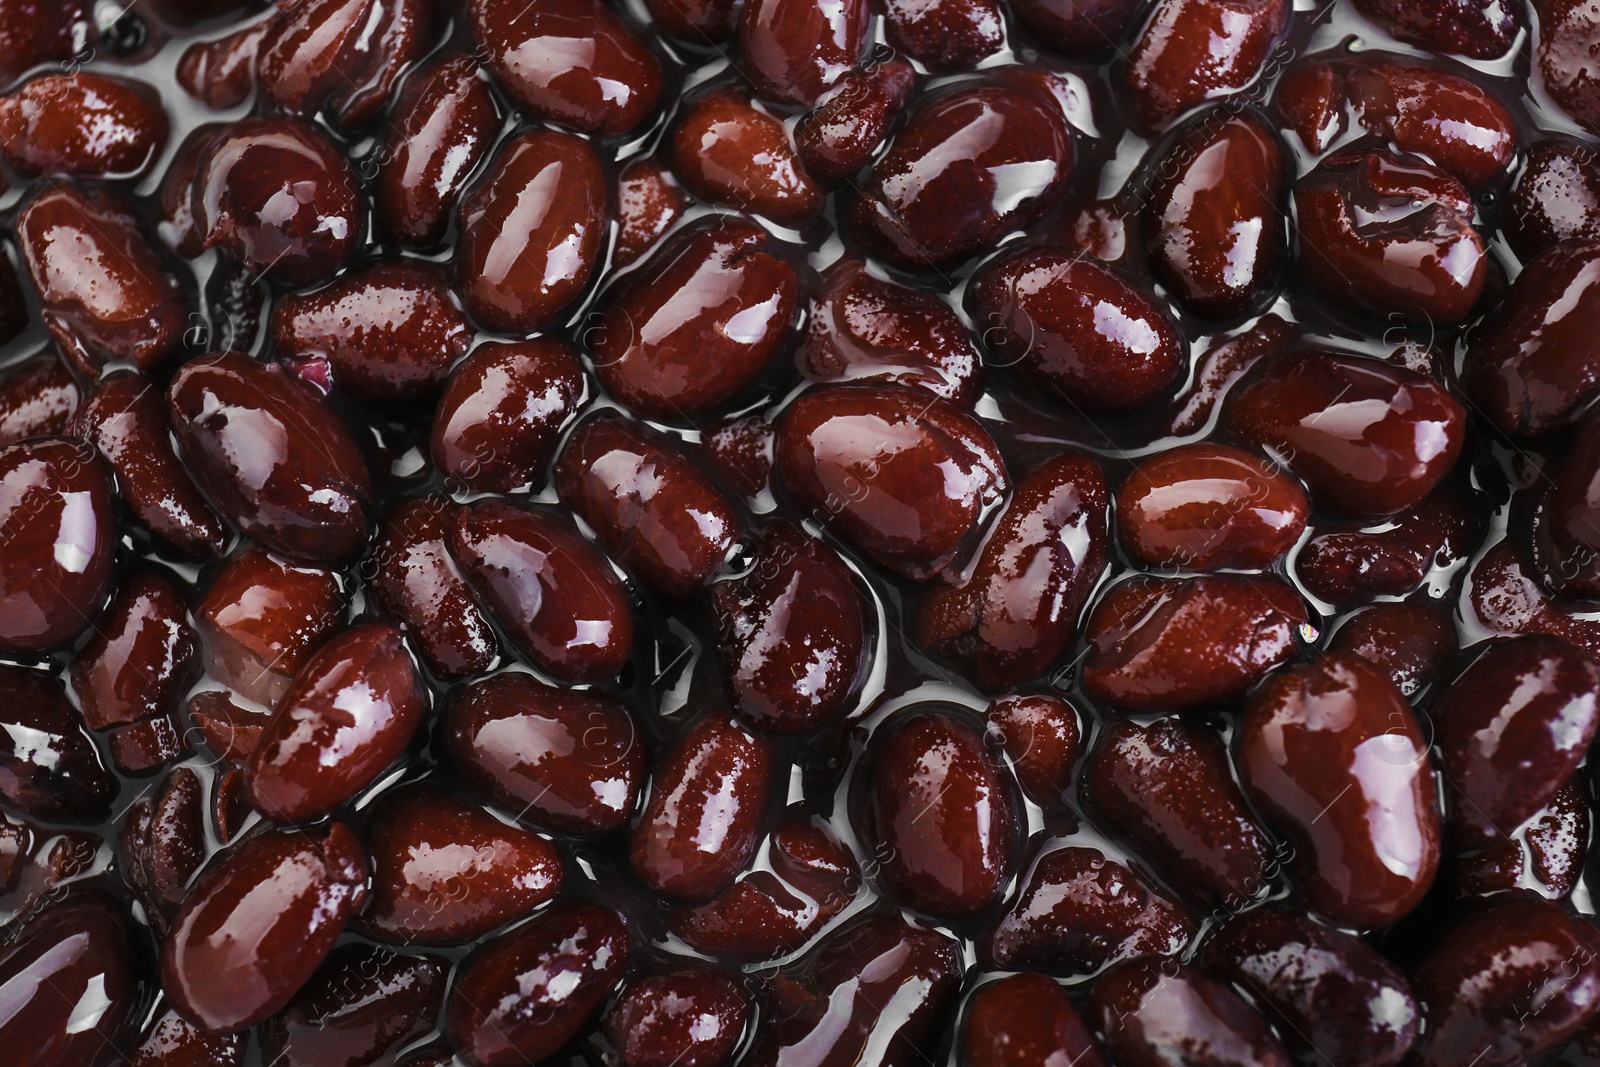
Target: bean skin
x,y
1024,1020
84,124
1158,1014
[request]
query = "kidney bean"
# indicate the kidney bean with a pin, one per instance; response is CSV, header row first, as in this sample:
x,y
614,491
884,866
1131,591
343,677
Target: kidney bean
x,y
1332,756
274,459
862,328
1409,642
1042,736
1076,329
40,31
905,477
232,732
740,452
648,201
1368,438
1016,611
143,654
566,759
531,231
1156,1013
1025,1020
521,996
1222,365
147,745
1566,537
1566,32
1079,910
730,150
880,960
1215,219
1385,235
221,73
1331,995
1465,27
362,1003
1556,197
72,979
84,124
341,56
971,165
691,1018
1169,644
1506,598
1209,506
162,844
1191,51
133,309
1081,29
699,22
38,397
1345,567
173,1041
946,35
227,966
1506,984
669,357
48,765
279,197
841,134
608,87
792,51
1545,854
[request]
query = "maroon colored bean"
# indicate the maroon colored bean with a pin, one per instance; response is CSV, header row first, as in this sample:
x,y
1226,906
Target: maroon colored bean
x,y
221,74
38,397
688,1018
1556,197
841,134
1545,854
1567,30
1506,598
648,201
143,654
40,31
1220,367
1566,522
1026,1020
48,765
741,453
946,35
173,1041
231,731
363,1002
340,56
1466,27
730,150
1155,1013
85,124
1344,566
162,844
1081,29
794,50
1409,642
1042,735
1191,51
696,21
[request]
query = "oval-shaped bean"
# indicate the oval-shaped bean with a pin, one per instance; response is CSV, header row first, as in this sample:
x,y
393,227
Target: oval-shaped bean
x,y
730,150
691,1017
1191,51
793,50
1025,1020
86,124
48,765
341,56
362,1003
1155,1013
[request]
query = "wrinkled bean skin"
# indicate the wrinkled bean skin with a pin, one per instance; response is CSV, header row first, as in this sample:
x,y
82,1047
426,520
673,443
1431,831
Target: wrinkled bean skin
x,y
1567,30
1192,51
58,532
794,50
1170,644
221,73
163,842
708,801
1545,854
903,476
1332,756
1392,437
416,581
828,1012
56,771
1026,1020
937,814
862,328
649,506
1208,507
143,654
1157,1014
648,201
1168,787
696,21
729,150
1078,911
1076,329
82,950
936,198
84,124
666,360
521,996
1215,221
1466,27
443,126
610,91
39,31
553,592
445,872
688,1018
1511,729
1346,567
277,462
502,411
1017,612
38,397
131,309
1528,367
839,136
1505,984
173,1041
388,331
946,35
1409,642
340,56
362,1003
1043,736
1081,29
1556,197
1383,235
259,922
569,760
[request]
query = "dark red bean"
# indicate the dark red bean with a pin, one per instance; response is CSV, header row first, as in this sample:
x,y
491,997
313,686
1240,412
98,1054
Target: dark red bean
x,y
1387,235
133,309
553,592
363,1002
570,760
945,190
1079,910
648,201
1333,758
38,397
1545,854
279,197
341,56
173,1041
48,765
73,982
1157,1013
741,453
841,134
1345,566
1369,438
221,74
902,475
699,22
730,150
273,458
880,960
232,732
442,127
57,541
608,86
862,328
416,580
502,412
1556,197
1026,1020
1191,51
1042,735
688,1018
1169,644
521,996
40,31
1409,642
147,745
794,50
1466,27
1207,507
1506,598
671,357
531,231
143,654
85,124
226,965
1567,30
1076,329
1081,29
1222,365
1506,984
946,35
230,803
445,872
163,843
1566,521
1016,610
